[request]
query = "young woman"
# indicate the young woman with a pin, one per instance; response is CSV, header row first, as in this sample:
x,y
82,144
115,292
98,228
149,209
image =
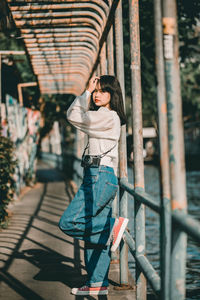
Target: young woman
x,y
99,112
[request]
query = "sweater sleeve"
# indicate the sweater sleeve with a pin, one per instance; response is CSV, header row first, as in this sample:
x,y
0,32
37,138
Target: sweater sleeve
x,y
97,124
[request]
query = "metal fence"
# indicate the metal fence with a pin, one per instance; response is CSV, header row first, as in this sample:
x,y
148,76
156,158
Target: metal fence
x,y
175,223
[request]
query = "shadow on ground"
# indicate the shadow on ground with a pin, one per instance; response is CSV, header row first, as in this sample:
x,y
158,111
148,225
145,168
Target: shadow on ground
x,y
37,260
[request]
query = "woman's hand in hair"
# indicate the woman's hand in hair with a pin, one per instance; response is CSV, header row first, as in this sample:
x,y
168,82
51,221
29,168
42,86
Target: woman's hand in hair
x,y
92,84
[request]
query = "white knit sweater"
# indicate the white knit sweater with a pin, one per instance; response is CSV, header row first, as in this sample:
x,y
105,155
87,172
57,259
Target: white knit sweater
x,y
102,127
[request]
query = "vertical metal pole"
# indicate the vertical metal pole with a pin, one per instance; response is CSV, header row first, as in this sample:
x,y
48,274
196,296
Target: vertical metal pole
x,y
176,147
137,142
110,52
110,65
122,145
103,63
0,86
165,217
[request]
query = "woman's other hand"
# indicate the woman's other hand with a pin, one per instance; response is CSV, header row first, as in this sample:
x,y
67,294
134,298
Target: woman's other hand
x,y
92,84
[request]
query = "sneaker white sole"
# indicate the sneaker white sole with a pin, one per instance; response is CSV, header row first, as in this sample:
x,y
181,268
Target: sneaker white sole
x,y
120,234
85,293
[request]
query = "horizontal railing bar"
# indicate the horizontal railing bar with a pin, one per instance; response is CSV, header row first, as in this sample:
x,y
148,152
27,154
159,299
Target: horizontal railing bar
x,y
130,241
187,223
149,272
140,195
144,264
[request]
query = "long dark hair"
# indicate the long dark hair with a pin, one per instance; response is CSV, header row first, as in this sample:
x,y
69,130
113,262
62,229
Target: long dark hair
x,y
111,85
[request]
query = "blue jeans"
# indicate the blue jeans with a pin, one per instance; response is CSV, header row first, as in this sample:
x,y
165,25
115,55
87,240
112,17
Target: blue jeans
x,y
88,218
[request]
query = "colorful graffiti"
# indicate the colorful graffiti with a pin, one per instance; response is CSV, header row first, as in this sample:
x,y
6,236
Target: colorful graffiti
x,y
21,125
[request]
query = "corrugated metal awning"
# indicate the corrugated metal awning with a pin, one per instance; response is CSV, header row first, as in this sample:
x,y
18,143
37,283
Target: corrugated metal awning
x,y
63,39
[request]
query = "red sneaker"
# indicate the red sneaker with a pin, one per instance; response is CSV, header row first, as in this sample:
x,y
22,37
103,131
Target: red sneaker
x,y
88,290
118,231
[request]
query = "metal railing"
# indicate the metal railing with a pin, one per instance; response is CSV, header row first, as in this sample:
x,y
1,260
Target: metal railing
x,y
175,223
185,222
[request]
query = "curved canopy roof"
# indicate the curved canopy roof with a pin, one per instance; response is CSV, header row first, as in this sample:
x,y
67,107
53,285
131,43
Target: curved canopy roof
x,y
63,39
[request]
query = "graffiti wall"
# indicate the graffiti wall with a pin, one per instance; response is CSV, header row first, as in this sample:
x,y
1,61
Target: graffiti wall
x,y
21,125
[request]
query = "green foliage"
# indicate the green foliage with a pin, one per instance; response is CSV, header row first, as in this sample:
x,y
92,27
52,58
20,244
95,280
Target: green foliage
x,y
21,69
190,84
147,47
188,24
5,16
7,169
188,16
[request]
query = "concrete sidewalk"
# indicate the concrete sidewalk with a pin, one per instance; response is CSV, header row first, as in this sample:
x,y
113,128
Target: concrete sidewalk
x,y
37,261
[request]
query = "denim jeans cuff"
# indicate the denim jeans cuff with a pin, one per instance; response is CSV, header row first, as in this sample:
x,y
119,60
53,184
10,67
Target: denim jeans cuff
x,y
97,284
